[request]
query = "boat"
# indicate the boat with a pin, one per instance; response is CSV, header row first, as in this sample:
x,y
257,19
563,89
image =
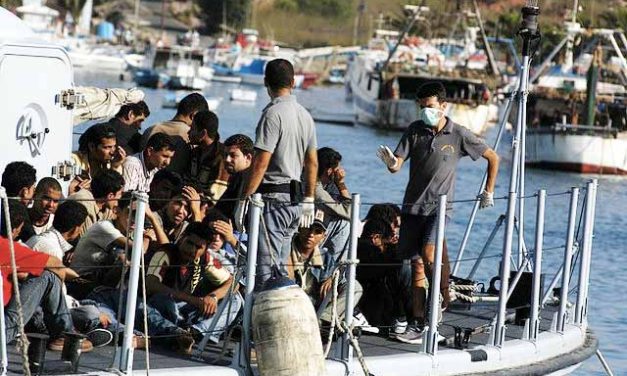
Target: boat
x,y
174,67
242,95
172,100
382,80
578,110
536,331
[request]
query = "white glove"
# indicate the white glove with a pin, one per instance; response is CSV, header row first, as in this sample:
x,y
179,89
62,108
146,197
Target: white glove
x,y
385,154
486,199
241,208
308,212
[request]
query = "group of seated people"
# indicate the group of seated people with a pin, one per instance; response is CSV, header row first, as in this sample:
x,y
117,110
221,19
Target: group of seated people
x,y
73,247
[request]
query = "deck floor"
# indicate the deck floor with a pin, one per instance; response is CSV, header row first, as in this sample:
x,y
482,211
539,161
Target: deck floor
x,y
478,318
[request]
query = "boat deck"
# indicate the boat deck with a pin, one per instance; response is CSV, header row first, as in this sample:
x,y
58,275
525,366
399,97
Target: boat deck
x,y
477,319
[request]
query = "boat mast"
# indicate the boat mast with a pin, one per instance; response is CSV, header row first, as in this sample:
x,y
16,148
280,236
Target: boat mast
x,y
568,56
414,16
486,43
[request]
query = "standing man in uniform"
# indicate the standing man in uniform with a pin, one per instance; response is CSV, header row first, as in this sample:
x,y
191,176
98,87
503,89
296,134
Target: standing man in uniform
x,y
435,144
285,143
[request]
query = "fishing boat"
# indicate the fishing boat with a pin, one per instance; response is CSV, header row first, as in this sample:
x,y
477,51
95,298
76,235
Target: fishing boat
x,y
578,111
382,80
525,327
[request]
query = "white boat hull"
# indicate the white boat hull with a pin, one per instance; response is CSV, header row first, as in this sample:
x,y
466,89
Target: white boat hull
x,y
584,153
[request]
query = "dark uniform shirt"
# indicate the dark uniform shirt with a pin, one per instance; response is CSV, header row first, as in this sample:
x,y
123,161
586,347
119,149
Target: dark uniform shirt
x,y
127,136
433,158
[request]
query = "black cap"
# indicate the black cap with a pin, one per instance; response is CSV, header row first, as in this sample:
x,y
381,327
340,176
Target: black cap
x,y
321,219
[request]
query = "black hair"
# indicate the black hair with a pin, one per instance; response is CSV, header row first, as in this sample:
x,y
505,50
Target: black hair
x,y
46,184
394,208
94,135
160,141
194,102
107,181
327,158
139,108
431,89
168,175
69,215
125,201
197,228
243,142
381,212
18,175
279,74
207,121
377,227
18,214
213,215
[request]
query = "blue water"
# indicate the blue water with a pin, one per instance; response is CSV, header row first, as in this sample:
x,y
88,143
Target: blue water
x,y
367,175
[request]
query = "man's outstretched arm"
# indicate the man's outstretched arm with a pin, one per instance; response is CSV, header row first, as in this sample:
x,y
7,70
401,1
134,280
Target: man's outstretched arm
x,y
493,168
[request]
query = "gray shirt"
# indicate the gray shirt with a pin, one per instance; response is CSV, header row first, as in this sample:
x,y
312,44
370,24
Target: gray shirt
x,y
433,159
287,131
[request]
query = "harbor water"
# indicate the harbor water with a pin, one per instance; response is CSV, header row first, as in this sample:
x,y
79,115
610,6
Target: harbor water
x,y
365,174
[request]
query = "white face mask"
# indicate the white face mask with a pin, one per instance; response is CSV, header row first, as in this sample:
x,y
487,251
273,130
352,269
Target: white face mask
x,y
430,116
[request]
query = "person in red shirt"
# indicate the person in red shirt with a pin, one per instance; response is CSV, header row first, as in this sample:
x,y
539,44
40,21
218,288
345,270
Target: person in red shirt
x,y
41,278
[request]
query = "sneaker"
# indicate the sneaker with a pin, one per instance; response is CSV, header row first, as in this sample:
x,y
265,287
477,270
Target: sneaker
x,y
359,320
399,327
100,337
413,335
57,345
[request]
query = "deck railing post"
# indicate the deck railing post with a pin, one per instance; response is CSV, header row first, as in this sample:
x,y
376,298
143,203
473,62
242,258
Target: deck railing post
x,y
350,278
534,322
137,252
586,249
254,217
568,256
434,293
486,247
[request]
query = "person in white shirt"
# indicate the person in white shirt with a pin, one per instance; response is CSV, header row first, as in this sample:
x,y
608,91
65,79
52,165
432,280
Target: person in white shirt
x,y
139,169
66,227
46,200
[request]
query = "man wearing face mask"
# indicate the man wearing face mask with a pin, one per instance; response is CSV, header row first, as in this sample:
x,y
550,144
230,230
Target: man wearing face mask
x,y
435,144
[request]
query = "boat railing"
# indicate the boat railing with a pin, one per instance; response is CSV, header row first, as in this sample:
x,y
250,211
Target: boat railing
x,y
573,250
606,131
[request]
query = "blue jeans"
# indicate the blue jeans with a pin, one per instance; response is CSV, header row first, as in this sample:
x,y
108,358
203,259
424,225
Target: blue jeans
x,y
44,291
168,316
275,238
87,317
335,245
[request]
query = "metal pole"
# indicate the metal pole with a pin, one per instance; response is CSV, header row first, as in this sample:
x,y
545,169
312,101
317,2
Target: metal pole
x,y
583,267
606,366
137,252
589,252
534,322
254,217
514,282
350,276
497,226
522,113
547,291
499,330
475,208
434,294
568,257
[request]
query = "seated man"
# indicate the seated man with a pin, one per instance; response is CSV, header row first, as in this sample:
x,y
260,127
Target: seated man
x,y
163,187
385,285
47,195
224,244
139,169
104,245
98,151
239,152
101,200
19,178
310,269
127,123
185,284
175,216
41,279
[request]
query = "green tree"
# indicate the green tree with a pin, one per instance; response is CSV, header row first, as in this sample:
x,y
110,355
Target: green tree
x,y
212,13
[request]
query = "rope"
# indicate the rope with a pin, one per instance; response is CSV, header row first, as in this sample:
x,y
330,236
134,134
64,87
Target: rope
x,y
22,340
342,328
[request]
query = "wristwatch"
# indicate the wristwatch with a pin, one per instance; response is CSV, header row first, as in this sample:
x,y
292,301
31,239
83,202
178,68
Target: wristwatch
x,y
213,295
